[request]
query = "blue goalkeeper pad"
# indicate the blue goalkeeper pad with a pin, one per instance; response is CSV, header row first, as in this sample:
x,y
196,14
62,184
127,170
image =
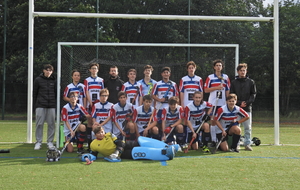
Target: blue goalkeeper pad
x,y
147,153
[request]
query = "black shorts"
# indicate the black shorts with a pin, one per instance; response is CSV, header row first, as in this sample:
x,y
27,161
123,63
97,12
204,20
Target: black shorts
x,y
190,136
219,136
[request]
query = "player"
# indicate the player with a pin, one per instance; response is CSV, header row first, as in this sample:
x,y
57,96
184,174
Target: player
x,y
141,119
101,112
93,85
147,82
113,84
189,84
172,116
163,90
226,120
111,148
133,89
196,112
121,114
70,115
245,89
217,85
77,87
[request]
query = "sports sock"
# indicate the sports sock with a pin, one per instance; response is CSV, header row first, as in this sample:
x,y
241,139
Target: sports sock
x,y
80,139
180,138
235,140
205,138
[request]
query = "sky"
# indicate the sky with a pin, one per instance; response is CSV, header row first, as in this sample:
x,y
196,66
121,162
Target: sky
x,y
266,2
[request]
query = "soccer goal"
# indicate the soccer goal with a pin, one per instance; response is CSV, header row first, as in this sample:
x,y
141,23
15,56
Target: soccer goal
x,y
78,55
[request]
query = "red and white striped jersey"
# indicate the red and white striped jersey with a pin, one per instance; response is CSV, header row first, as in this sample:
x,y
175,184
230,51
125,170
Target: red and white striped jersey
x,y
188,85
101,112
170,117
93,86
141,118
132,91
79,89
160,89
72,116
226,117
118,114
213,81
195,113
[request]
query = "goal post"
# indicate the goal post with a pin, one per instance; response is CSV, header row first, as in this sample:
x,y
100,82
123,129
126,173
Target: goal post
x,y
275,19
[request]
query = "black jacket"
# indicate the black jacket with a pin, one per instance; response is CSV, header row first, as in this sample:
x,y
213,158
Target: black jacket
x,y
114,86
245,89
44,92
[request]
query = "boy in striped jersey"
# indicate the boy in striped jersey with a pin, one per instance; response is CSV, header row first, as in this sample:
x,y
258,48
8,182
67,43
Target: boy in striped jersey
x,y
101,112
189,84
70,115
141,118
226,120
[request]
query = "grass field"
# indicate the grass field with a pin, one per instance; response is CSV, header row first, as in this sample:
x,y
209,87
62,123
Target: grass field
x,y
267,167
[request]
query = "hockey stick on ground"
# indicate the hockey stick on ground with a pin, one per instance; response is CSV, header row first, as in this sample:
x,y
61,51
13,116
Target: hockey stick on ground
x,y
69,140
199,128
217,146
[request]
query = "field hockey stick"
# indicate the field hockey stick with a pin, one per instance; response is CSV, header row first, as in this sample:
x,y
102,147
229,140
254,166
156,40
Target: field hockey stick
x,y
217,146
135,96
170,132
197,131
69,140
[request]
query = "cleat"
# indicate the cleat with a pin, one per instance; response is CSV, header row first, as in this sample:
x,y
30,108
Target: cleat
x,y
80,151
248,147
50,145
234,150
205,149
37,146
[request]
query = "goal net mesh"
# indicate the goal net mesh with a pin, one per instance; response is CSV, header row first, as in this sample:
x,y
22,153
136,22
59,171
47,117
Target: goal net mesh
x,y
126,57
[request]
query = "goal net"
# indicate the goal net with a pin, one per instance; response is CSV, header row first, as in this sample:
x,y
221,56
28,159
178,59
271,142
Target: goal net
x,y
130,55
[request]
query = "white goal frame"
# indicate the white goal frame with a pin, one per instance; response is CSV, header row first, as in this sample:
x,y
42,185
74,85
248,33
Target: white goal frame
x,y
32,15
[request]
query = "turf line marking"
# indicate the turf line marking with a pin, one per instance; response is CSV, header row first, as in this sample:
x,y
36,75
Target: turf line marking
x,y
238,157
296,158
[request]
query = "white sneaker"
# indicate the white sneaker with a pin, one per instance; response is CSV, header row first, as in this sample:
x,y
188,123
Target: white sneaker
x,y
37,146
248,147
50,145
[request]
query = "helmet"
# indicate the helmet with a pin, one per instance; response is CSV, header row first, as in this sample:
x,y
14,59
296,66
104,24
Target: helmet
x,y
256,141
53,154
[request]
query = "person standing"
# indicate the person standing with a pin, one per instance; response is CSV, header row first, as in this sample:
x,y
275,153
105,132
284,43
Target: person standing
x,y
147,82
245,89
44,96
113,84
217,85
190,84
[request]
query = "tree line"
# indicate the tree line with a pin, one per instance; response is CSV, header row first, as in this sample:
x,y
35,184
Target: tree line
x,y
255,38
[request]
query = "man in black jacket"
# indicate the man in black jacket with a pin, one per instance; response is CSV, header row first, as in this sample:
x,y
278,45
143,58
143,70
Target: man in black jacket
x,y
245,89
113,84
44,97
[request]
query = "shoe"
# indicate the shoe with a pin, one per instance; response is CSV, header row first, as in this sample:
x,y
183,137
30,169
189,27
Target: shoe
x,y
234,150
50,145
248,147
170,152
37,146
80,151
205,149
